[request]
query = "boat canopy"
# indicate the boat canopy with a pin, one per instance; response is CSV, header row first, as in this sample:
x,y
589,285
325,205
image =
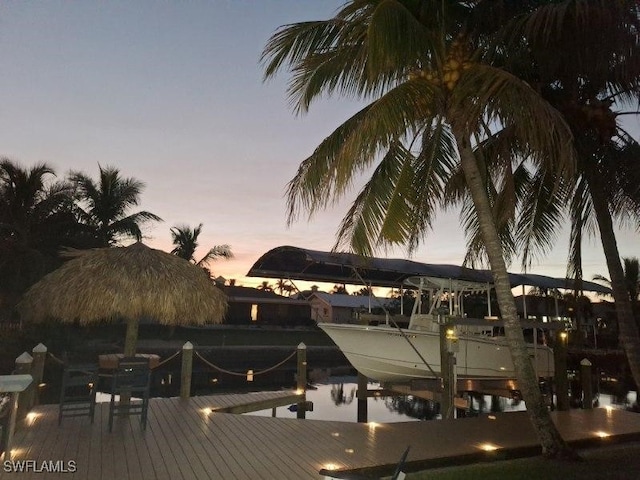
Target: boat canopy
x,y
297,263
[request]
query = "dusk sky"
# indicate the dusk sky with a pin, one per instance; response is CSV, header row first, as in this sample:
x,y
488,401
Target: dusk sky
x,y
172,93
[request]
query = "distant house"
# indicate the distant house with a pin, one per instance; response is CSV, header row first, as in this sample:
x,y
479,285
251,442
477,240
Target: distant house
x,y
335,308
251,306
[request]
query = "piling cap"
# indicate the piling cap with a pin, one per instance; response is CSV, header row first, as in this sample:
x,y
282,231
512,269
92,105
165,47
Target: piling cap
x,y
302,346
40,348
187,346
24,358
585,362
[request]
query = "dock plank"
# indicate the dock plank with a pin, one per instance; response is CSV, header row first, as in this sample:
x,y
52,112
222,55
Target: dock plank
x,y
183,442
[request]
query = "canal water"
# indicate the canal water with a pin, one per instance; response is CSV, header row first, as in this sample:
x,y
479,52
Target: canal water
x,y
335,399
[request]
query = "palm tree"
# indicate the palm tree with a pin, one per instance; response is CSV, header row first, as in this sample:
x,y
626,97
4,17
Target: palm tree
x,y
435,95
265,286
589,81
185,240
36,221
339,290
104,206
631,280
586,81
284,286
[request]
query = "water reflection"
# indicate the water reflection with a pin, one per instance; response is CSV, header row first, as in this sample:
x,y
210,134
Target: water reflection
x,y
334,400
339,397
413,407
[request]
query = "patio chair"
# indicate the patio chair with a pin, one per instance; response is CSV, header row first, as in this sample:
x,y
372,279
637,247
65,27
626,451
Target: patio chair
x,y
131,379
78,391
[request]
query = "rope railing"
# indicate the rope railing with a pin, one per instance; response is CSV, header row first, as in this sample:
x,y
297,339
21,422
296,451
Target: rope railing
x,y
56,359
167,360
244,374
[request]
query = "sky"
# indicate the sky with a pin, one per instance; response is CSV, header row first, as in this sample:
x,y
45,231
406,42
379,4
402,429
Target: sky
x,y
172,94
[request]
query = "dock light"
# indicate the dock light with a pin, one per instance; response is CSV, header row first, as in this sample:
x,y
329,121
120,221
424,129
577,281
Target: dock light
x,y
349,450
373,425
330,466
31,417
602,434
491,417
564,335
488,447
42,385
335,434
206,411
90,384
214,380
609,409
249,375
299,391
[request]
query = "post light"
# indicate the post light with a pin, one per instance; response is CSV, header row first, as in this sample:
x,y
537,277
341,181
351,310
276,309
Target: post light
x,y
249,375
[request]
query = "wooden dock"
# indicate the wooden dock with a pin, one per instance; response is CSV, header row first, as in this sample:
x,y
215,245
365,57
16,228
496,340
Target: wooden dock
x,y
186,439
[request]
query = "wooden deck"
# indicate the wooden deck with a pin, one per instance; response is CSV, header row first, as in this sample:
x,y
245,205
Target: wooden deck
x,y
183,440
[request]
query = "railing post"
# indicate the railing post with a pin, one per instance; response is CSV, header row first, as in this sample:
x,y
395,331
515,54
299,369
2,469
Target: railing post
x,y
37,371
24,363
187,368
587,384
447,372
302,379
560,367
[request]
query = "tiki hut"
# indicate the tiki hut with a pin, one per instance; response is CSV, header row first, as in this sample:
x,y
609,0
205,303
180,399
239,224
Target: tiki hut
x,y
125,283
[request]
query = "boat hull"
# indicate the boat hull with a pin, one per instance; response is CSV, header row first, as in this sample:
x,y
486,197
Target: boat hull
x,y
384,354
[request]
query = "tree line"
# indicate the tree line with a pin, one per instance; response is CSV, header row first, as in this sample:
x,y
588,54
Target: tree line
x,y
41,215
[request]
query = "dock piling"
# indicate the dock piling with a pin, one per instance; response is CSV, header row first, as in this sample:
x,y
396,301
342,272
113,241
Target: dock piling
x,y
302,379
187,368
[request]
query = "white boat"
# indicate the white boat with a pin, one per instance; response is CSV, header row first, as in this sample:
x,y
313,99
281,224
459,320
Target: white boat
x,y
389,354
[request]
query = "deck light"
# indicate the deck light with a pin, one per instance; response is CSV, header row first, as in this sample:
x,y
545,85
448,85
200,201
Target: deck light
x,y
349,450
602,434
31,417
249,375
335,434
299,391
491,417
206,411
373,425
330,466
564,335
488,447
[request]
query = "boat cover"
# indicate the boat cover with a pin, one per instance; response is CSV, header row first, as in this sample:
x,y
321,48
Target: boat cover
x,y
297,263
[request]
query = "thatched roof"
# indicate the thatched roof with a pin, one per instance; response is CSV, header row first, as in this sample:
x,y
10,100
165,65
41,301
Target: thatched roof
x,y
125,283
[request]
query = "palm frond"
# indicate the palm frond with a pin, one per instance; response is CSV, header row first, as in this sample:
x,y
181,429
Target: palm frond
x,y
327,174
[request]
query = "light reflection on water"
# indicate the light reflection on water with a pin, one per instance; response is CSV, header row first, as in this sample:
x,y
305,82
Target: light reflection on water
x,y
336,400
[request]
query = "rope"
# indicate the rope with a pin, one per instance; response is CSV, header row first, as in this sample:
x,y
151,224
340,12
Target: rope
x,y
167,360
56,359
244,374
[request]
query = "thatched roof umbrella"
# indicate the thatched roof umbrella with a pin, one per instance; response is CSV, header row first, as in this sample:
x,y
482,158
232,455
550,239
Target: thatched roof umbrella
x,y
127,283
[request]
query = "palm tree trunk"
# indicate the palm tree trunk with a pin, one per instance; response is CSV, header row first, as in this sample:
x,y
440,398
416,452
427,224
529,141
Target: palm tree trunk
x,y
627,326
552,443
